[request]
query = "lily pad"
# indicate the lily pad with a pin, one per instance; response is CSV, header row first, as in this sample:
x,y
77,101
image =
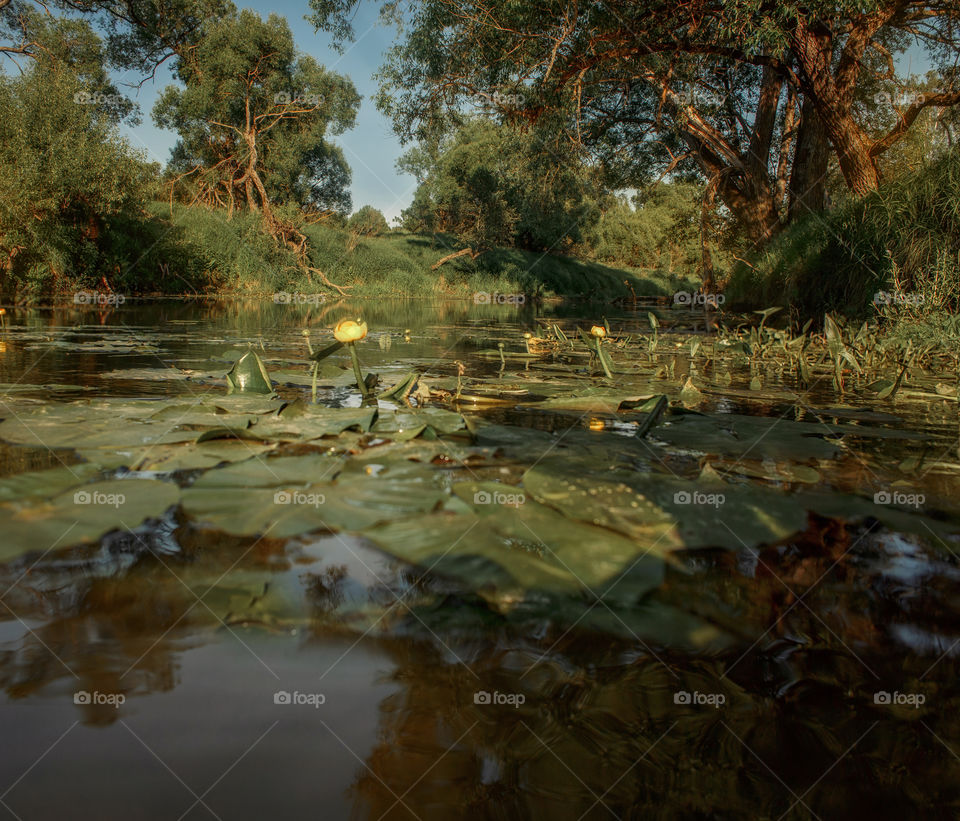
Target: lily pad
x,y
284,497
82,515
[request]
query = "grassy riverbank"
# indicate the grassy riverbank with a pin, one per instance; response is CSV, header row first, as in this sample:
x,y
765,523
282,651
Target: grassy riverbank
x,y
198,251
902,241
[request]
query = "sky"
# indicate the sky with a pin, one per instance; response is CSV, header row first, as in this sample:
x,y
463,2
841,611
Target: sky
x,y
370,147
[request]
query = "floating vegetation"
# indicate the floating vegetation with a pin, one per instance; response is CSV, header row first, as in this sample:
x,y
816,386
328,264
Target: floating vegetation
x,y
532,471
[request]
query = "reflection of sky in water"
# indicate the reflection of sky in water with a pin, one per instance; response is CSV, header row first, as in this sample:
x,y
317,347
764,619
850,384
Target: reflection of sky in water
x,y
399,718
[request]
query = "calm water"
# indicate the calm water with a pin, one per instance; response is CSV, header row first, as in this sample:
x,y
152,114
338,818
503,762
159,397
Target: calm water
x,y
786,718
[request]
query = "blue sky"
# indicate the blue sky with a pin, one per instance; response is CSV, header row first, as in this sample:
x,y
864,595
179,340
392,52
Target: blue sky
x,y
370,147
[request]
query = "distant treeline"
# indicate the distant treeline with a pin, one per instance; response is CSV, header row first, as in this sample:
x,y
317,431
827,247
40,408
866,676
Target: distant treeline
x,y
559,138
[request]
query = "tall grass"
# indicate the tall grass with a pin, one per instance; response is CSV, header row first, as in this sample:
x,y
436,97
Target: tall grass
x,y
236,256
905,237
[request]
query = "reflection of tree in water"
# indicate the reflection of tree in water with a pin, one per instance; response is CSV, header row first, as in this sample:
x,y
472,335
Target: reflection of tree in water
x,y
325,589
600,733
113,617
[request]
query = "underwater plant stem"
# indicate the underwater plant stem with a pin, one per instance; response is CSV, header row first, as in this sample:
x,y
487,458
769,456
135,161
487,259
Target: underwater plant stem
x,y
356,370
313,391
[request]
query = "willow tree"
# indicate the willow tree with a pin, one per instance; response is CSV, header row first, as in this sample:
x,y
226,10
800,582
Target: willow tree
x,y
253,117
140,35
757,94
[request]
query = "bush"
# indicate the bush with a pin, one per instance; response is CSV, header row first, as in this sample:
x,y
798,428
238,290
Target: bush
x,y
69,185
903,237
368,222
662,232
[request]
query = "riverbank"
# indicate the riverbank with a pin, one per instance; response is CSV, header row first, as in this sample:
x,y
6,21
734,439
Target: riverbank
x,y
193,251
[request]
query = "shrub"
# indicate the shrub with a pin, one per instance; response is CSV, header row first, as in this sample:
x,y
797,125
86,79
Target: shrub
x,y
903,237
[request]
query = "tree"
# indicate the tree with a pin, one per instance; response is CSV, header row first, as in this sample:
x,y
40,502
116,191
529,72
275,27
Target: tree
x,y
660,227
140,34
253,116
65,174
368,222
756,94
492,185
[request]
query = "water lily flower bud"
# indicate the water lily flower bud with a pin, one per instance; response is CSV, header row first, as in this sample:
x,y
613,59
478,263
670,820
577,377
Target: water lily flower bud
x,y
349,331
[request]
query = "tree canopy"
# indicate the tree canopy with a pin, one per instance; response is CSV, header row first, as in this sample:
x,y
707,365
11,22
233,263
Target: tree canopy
x,y
755,95
65,173
253,117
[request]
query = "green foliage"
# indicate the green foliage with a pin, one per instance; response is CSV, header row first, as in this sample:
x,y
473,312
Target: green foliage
x,y
368,222
492,185
662,231
903,240
253,117
69,184
237,256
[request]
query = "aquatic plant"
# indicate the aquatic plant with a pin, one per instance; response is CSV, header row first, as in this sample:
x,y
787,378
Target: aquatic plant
x,y
349,333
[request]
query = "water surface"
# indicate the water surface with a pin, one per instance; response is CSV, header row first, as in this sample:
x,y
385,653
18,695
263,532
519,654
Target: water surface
x,y
827,689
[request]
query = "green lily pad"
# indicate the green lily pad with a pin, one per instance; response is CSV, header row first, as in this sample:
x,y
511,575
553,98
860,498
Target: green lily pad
x,y
285,497
83,514
314,422
403,425
46,483
601,401
736,435
665,512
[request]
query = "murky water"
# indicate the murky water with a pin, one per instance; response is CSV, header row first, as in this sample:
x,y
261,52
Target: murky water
x,y
177,672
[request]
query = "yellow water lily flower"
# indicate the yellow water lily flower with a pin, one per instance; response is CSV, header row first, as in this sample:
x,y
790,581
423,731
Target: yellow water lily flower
x,y
350,331
598,331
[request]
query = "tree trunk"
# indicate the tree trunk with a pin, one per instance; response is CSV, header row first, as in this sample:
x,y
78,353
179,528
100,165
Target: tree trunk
x,y
752,201
706,209
814,48
788,139
853,151
808,178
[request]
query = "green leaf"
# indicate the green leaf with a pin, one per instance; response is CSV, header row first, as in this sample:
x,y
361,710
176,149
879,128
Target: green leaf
x,y
82,514
249,375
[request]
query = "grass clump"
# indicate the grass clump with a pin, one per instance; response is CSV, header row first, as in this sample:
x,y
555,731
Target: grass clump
x,y
899,245
236,256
